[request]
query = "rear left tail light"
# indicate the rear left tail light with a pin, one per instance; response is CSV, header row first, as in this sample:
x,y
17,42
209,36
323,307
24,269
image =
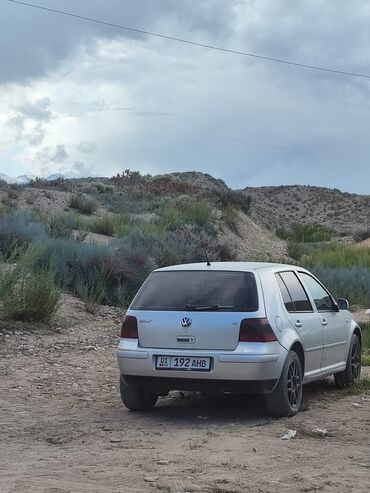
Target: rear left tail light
x,y
129,327
256,330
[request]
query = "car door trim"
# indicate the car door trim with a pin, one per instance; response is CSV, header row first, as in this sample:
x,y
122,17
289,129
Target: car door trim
x,y
334,344
314,348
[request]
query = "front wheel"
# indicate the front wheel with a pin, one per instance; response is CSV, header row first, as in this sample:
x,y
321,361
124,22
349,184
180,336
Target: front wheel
x,y
136,399
286,398
351,374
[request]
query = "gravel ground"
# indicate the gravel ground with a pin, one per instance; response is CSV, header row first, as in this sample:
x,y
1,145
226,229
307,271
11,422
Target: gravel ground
x,y
63,428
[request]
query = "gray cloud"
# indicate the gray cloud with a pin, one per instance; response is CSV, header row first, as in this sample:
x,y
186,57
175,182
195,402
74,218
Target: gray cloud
x,y
86,147
29,119
59,155
125,101
81,169
36,110
37,42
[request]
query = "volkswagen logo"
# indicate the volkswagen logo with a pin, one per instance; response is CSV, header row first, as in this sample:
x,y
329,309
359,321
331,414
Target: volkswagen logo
x,y
186,322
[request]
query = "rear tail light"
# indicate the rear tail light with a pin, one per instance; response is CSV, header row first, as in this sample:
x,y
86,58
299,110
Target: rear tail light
x,y
256,330
129,327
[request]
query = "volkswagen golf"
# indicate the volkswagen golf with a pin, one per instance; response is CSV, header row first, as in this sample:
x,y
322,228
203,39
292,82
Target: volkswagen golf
x,y
235,327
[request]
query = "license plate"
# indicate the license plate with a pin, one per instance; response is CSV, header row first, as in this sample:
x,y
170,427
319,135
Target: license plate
x,y
184,363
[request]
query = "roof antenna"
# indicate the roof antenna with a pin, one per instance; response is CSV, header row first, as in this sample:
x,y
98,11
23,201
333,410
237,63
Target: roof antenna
x,y
206,255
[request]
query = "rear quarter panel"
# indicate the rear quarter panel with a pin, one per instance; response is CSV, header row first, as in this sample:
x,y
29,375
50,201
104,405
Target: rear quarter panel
x,y
275,310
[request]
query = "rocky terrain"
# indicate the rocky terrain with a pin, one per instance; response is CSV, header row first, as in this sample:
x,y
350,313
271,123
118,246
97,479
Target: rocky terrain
x,y
282,206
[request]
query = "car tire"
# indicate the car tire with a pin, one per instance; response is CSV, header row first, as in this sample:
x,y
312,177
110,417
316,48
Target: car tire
x,y
285,400
351,374
136,399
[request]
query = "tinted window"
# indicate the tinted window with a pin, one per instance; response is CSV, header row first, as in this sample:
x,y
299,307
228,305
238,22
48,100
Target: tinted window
x,y
321,297
285,294
174,290
296,291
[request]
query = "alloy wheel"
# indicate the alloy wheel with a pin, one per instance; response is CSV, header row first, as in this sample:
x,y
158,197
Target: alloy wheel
x,y
294,384
356,360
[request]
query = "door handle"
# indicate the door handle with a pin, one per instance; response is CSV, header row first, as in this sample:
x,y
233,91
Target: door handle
x,y
298,324
324,322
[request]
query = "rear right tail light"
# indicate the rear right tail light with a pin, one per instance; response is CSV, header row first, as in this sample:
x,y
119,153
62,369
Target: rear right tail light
x,y
256,330
129,327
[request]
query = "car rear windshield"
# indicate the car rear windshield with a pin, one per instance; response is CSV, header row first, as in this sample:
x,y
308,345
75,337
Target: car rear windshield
x,y
198,291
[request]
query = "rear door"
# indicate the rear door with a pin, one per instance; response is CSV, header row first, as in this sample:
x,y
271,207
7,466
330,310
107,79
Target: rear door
x,y
195,309
304,319
335,329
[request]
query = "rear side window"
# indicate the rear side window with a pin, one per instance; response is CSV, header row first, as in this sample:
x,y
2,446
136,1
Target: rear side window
x,y
198,290
288,302
321,297
297,293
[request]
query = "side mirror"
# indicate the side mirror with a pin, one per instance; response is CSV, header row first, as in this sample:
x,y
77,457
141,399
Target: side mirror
x,y
343,304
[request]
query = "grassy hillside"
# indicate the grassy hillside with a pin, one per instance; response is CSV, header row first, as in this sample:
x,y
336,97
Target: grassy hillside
x,y
99,238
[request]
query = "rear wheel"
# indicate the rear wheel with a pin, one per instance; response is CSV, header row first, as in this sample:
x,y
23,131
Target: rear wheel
x,y
352,372
286,398
136,399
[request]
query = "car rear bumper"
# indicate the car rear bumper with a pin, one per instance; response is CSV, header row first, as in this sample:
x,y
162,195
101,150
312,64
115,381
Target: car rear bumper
x,y
251,363
161,385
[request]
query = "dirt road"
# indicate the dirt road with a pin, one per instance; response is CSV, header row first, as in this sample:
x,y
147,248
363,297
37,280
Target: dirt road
x,y
63,428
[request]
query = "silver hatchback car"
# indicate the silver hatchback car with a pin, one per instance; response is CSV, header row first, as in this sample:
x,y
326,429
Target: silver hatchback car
x,y
235,327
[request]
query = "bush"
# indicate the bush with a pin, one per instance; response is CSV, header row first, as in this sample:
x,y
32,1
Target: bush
x,y
92,295
112,274
235,199
20,229
352,283
103,225
62,226
365,328
336,255
305,233
231,218
175,216
83,204
27,295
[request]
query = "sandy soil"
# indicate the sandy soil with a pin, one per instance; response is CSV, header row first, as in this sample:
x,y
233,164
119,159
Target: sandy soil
x,y
63,428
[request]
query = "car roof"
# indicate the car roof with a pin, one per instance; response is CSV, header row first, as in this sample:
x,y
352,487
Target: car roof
x,y
227,266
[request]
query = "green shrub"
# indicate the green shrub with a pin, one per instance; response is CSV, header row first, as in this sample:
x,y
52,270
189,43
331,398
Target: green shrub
x,y
231,218
365,328
20,229
175,216
352,283
27,295
305,233
235,199
62,226
103,225
340,256
92,295
83,204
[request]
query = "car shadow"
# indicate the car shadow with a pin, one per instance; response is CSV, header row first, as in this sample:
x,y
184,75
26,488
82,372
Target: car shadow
x,y
212,408
218,408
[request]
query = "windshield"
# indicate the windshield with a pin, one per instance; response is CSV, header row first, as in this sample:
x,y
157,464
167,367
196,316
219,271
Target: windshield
x,y
198,291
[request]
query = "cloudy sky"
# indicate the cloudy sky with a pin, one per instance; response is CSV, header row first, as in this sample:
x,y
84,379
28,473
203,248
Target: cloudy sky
x,y
94,100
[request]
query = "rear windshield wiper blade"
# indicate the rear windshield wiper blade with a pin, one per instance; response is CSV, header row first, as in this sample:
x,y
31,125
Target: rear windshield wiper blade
x,y
208,308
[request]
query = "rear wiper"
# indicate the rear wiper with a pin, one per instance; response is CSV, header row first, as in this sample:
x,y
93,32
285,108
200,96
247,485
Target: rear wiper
x,y
208,308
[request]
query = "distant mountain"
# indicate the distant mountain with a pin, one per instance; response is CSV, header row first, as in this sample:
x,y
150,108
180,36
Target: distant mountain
x,y
24,179
7,178
20,180
55,176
